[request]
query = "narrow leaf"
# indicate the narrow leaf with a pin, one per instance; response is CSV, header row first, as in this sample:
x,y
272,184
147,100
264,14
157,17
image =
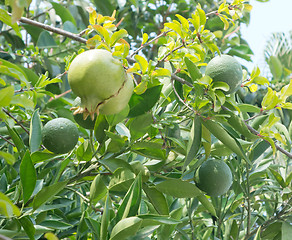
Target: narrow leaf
x,y
179,188
28,226
105,220
7,208
97,189
35,133
220,133
207,204
125,228
27,176
8,157
101,125
47,193
157,199
131,202
194,141
192,69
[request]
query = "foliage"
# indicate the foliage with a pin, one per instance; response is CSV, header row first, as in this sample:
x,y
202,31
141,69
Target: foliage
x,y
177,119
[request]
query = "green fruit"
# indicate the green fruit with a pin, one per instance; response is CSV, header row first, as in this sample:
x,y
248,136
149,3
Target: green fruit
x,y
214,24
226,69
101,82
139,167
87,123
214,177
60,135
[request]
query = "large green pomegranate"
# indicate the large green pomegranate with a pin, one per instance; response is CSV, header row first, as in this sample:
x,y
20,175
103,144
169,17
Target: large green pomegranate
x,y
101,82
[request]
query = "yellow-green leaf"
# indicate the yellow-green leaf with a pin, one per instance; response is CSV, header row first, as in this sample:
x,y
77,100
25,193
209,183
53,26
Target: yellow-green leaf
x,y
145,38
6,95
7,208
184,22
142,62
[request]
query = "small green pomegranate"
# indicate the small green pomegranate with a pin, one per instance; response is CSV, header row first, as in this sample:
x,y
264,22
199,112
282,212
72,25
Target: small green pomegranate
x,y
101,82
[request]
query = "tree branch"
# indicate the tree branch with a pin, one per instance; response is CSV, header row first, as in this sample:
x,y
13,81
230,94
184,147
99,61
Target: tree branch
x,y
19,123
255,132
53,29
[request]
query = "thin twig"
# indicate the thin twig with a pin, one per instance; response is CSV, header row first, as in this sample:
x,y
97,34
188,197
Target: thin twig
x,y
181,80
19,123
255,132
6,140
168,54
53,29
272,219
179,98
148,43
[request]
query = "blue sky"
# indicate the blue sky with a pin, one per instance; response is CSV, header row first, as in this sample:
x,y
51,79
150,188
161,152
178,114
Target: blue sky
x,y
266,18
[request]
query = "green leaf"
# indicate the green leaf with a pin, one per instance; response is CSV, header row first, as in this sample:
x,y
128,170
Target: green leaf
x,y
140,104
105,219
14,71
258,234
166,230
275,67
94,226
184,22
116,118
179,188
270,100
54,224
103,32
149,149
195,20
249,108
28,226
207,204
37,157
35,133
151,219
6,95
27,176
143,63
220,133
239,125
192,69
16,140
145,38
5,18
202,15
8,157
97,189
7,208
140,125
194,141
125,228
46,41
286,231
121,180
132,200
105,7
63,12
175,26
23,100
157,199
206,141
114,163
117,36
47,193
278,177
101,125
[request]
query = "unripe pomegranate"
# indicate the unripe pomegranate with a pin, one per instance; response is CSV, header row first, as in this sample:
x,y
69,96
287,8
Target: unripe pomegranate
x,y
101,82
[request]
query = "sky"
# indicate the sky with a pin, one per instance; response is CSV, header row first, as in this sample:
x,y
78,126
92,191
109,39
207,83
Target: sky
x,y
266,18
